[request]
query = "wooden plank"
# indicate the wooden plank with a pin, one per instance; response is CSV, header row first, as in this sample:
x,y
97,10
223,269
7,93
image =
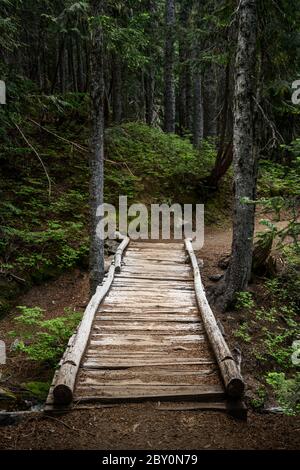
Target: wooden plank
x,y
130,261
219,406
145,340
159,290
85,378
157,246
149,309
128,363
162,283
157,317
157,393
154,277
146,326
151,298
157,352
148,304
144,374
159,272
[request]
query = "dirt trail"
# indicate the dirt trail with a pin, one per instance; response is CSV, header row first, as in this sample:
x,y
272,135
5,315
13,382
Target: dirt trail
x,y
143,426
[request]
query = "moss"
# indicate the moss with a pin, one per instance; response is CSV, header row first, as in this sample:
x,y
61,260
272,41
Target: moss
x,y
38,390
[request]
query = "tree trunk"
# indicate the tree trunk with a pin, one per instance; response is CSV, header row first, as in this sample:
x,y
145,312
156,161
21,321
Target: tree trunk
x,y
244,156
97,150
225,130
198,111
117,89
184,92
150,69
79,66
170,107
149,96
209,102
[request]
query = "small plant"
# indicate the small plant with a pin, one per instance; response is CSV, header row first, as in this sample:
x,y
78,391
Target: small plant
x,y
243,333
276,348
267,315
244,300
259,401
287,391
44,340
38,390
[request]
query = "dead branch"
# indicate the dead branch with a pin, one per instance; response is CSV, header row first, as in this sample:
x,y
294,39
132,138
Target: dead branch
x,y
78,146
38,156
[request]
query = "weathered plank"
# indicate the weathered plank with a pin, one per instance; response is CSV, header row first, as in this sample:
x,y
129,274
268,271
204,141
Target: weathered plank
x,y
121,394
111,363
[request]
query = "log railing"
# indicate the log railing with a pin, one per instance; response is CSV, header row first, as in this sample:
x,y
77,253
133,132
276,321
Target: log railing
x,y
65,378
233,381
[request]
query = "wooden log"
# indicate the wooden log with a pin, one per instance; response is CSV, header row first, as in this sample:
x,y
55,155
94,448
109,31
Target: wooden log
x,y
65,380
232,378
120,250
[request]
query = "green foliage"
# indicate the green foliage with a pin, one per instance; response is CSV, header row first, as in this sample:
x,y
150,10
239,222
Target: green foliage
x,y
260,398
154,164
40,237
244,300
277,181
287,391
127,38
243,333
286,289
277,347
38,390
43,340
266,315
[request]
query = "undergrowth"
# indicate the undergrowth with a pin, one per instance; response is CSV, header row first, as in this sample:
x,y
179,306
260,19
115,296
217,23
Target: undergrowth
x,y
43,341
42,235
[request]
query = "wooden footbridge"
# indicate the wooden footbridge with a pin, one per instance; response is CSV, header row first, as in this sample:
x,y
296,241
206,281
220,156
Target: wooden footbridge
x,y
149,334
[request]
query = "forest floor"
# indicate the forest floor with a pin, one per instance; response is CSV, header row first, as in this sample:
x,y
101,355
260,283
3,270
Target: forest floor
x,y
144,425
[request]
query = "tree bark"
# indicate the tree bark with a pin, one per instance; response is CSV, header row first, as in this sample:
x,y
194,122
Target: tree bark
x,y
169,95
97,147
209,102
198,111
244,156
117,89
150,69
184,92
149,96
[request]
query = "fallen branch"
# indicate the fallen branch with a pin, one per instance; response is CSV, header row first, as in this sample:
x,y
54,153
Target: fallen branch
x,y
14,276
68,426
78,146
38,156
120,163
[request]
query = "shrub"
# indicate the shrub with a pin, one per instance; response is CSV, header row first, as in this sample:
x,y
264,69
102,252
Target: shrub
x,y
43,340
244,300
287,391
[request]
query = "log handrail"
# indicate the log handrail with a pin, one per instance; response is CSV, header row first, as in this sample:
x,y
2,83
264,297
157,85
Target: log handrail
x,y
233,381
65,378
